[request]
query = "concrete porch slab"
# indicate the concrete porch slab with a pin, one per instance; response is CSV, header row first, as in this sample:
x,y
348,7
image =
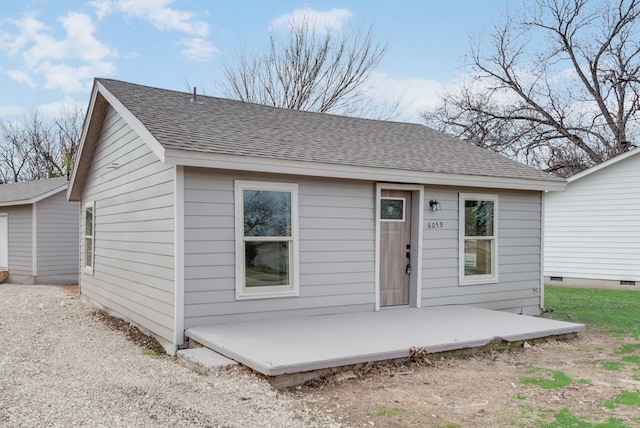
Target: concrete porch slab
x,y
293,345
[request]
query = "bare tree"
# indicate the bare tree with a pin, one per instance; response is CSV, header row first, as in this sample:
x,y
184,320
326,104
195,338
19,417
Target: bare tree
x,y
557,88
14,155
35,148
310,70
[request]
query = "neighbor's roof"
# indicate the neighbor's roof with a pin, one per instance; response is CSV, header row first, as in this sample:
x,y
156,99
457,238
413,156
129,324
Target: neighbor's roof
x,y
603,165
181,131
29,192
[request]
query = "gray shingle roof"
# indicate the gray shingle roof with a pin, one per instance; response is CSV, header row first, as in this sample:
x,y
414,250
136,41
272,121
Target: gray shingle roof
x,y
225,126
30,191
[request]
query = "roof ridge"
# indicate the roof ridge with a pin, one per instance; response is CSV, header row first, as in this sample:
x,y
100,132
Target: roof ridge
x,y
232,100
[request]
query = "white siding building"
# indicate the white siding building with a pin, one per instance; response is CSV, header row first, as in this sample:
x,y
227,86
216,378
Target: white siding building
x,y
592,229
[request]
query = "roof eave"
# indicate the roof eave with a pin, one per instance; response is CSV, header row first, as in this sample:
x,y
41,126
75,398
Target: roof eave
x,y
319,169
90,131
35,199
603,165
101,98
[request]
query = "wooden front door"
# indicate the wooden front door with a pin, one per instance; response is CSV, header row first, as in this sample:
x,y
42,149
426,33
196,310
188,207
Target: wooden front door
x,y
395,247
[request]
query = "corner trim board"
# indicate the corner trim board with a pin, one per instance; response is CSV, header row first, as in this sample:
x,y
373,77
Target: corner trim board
x,y
179,256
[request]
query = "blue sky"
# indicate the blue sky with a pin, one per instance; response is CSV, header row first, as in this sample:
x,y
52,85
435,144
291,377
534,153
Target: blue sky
x,y
50,50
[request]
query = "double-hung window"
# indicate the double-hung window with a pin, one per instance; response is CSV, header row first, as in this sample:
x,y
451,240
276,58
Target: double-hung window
x,y
478,240
89,233
266,239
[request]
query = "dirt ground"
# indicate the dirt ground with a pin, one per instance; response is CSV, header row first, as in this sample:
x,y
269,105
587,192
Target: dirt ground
x,y
486,389
480,390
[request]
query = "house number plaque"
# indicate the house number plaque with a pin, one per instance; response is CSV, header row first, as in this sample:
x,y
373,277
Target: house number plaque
x,y
435,224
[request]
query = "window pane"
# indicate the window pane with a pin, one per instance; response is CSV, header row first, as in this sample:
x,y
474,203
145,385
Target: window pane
x,y
477,256
88,252
478,218
391,209
88,221
266,264
267,213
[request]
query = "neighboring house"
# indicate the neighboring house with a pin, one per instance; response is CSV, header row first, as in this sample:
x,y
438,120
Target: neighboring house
x,y
39,232
592,229
203,211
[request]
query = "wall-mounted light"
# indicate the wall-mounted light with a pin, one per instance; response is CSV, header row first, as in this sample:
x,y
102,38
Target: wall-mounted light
x,y
435,205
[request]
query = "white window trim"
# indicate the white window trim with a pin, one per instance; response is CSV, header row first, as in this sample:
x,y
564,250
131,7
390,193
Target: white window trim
x,y
293,289
5,242
477,279
89,268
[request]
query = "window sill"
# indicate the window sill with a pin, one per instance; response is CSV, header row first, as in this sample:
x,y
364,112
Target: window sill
x,y
478,281
265,294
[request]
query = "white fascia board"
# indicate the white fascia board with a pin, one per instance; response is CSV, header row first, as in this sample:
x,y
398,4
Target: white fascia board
x,y
603,165
178,269
133,122
35,198
83,137
319,169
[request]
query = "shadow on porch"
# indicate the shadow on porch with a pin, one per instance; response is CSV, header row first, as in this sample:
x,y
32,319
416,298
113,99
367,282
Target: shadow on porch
x,y
295,345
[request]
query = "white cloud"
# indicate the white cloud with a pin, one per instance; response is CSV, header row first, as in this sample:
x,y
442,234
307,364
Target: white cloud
x,y
198,49
78,43
67,63
70,79
164,18
54,108
412,95
322,22
103,8
22,77
29,27
8,111
156,12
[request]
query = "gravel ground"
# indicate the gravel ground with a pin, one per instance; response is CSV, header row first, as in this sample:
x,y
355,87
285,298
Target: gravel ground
x,y
60,365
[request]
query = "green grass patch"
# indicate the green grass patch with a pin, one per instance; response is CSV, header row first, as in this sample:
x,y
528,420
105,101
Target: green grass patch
x,y
614,310
633,359
613,366
584,381
628,348
625,398
386,412
564,418
549,379
149,353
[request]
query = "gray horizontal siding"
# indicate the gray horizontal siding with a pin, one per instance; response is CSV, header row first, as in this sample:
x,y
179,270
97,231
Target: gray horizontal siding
x,y
336,233
19,220
337,228
134,230
519,254
57,240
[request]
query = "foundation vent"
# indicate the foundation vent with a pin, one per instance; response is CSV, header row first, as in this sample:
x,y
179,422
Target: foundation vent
x,y
556,278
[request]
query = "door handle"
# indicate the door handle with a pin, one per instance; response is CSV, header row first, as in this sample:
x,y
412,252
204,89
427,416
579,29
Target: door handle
x,y
407,270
